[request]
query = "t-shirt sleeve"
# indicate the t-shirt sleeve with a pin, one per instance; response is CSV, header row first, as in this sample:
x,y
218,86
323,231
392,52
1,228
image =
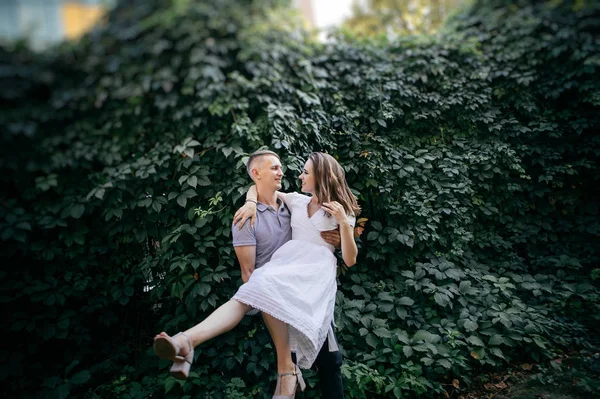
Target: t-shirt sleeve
x,y
289,198
352,220
244,236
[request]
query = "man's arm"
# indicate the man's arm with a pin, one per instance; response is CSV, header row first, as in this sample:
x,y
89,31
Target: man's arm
x,y
332,237
247,257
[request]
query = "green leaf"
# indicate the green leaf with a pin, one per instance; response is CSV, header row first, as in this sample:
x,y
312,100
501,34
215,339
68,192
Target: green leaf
x,y
496,340
24,226
184,196
192,181
71,366
372,236
385,296
403,337
465,287
200,289
470,325
189,152
48,332
539,342
170,383
497,352
405,301
77,210
100,193
478,353
402,313
385,307
382,332
421,335
475,340
372,341
445,363
80,378
427,361
441,299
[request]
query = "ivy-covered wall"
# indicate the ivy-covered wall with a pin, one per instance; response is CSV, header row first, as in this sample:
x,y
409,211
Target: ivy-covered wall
x,y
474,154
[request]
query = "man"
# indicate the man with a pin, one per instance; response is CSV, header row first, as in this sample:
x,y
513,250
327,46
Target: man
x,y
255,243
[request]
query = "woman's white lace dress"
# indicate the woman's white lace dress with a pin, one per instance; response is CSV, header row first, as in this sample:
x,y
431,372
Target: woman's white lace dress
x,y
298,284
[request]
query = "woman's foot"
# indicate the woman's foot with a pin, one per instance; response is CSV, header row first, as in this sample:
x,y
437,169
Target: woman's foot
x,y
286,385
167,347
178,349
287,382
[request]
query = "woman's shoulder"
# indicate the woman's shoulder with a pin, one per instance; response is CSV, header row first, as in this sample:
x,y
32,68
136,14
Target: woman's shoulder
x,y
296,197
303,197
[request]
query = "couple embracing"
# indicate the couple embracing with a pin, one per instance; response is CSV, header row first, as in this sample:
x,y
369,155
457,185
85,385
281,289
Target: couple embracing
x,y
291,281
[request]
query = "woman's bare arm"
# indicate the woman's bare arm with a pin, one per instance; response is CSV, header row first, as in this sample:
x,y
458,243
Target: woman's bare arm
x,y
349,248
248,210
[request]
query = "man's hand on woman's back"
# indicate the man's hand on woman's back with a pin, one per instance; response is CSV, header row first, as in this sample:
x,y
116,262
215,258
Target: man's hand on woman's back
x,y
332,237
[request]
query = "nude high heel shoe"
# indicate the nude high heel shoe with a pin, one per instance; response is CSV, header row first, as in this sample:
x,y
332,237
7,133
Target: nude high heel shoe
x,y
299,382
167,348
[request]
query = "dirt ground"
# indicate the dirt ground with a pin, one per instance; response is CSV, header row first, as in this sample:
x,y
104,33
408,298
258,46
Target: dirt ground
x,y
575,376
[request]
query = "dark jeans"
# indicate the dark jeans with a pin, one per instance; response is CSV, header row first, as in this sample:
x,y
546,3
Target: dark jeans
x,y
330,376
328,366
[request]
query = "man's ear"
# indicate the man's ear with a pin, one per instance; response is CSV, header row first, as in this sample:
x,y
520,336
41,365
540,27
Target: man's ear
x,y
255,174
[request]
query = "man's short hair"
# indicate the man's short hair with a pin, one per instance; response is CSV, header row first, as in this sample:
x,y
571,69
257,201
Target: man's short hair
x,y
255,155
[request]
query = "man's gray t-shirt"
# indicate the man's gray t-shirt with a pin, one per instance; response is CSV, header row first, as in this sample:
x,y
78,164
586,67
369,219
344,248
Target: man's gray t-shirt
x,y
271,230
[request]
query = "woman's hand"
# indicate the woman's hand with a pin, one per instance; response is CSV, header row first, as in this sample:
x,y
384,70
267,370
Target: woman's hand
x,y
245,212
336,210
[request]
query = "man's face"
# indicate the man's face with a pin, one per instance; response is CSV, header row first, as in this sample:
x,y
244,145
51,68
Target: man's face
x,y
269,173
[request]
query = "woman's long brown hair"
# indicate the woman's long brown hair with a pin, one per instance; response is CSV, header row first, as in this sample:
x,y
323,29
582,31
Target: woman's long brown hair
x,y
330,183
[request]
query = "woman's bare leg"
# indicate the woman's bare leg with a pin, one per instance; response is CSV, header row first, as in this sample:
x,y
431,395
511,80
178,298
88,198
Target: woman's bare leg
x,y
279,333
223,319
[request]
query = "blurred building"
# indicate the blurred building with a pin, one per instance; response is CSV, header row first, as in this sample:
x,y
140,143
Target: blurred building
x,y
306,9
45,22
324,15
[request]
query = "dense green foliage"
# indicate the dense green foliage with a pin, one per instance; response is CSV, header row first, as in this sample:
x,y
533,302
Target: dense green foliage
x,y
474,155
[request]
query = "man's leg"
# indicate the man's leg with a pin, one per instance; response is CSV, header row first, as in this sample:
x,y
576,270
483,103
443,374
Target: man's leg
x,y
330,375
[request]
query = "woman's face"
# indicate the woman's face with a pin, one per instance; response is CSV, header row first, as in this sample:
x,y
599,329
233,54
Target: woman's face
x,y
308,179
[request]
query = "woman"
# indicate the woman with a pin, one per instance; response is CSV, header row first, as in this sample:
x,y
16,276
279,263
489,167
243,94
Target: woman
x,y
296,289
